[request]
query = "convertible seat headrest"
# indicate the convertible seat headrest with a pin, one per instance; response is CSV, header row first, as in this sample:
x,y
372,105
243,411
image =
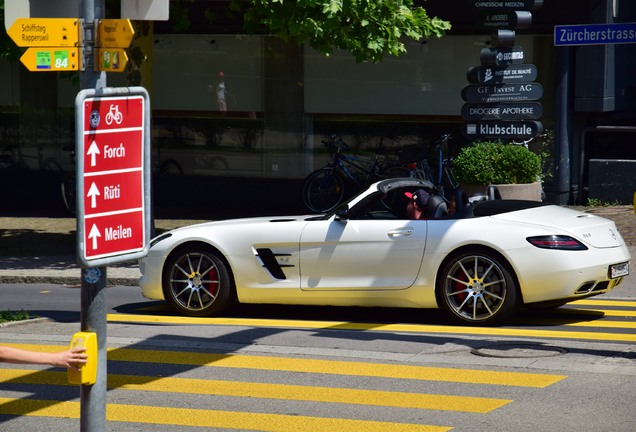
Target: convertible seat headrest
x,y
436,207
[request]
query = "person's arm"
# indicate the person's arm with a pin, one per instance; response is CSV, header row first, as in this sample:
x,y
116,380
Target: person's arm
x,y
63,359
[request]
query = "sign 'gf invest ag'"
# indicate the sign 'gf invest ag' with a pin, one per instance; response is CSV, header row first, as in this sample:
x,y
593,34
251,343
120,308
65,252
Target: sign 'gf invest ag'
x,y
113,189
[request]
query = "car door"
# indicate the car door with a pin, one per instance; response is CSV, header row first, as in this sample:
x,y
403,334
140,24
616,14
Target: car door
x,y
361,254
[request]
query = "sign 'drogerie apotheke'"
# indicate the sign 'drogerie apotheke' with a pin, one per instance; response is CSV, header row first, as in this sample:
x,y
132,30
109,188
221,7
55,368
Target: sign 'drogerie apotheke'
x,y
113,182
501,94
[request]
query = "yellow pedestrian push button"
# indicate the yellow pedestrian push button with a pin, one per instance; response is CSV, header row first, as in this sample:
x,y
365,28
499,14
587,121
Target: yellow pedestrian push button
x,y
88,371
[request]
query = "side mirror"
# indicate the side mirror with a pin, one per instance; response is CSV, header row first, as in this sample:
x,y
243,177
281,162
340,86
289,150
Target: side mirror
x,y
343,214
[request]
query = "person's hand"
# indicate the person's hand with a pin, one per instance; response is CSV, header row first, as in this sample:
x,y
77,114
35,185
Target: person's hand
x,y
70,359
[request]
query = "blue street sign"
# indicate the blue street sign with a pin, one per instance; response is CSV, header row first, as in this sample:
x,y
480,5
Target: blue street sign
x,y
594,34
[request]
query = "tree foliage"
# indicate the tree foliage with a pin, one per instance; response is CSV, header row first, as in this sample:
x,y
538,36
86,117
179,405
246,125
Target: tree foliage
x,y
367,28
8,49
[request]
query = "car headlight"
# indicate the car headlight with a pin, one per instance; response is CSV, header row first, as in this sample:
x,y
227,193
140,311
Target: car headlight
x,y
559,242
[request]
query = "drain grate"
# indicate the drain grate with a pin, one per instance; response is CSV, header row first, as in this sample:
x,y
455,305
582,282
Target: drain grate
x,y
518,351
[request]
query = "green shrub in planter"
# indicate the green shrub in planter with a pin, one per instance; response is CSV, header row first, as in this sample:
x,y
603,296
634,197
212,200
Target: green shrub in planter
x,y
491,163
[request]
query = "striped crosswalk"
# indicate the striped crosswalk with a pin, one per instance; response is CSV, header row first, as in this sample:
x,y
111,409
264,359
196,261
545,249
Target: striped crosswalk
x,y
219,418
279,393
559,323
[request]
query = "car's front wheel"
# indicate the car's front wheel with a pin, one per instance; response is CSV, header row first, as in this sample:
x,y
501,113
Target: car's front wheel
x,y
197,282
476,288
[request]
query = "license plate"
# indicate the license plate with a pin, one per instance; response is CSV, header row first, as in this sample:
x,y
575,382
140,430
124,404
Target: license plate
x,y
618,270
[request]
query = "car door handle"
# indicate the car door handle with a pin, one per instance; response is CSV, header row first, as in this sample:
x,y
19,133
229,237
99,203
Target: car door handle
x,y
401,232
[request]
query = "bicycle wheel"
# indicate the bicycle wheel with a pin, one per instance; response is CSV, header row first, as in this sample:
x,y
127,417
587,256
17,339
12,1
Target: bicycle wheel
x,y
323,190
170,167
396,171
423,173
68,187
218,162
449,177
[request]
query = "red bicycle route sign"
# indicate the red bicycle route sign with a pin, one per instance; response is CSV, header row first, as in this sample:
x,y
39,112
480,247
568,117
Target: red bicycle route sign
x,y
113,175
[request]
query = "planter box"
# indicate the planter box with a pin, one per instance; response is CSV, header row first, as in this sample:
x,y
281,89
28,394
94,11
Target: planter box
x,y
521,191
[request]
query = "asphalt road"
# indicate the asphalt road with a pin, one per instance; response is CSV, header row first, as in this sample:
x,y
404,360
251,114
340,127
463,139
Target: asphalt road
x,y
318,369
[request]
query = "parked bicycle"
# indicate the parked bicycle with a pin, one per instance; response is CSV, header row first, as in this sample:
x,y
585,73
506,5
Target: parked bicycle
x,y
415,158
325,188
29,162
69,185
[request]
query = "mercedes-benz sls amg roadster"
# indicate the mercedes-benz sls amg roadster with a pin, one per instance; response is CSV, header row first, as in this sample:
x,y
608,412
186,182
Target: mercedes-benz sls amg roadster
x,y
480,263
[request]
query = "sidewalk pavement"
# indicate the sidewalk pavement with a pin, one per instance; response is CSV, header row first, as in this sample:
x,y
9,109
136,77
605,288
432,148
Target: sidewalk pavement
x,y
62,270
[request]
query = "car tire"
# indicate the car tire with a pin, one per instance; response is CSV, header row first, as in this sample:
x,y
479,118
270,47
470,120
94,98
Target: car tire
x,y
196,281
476,287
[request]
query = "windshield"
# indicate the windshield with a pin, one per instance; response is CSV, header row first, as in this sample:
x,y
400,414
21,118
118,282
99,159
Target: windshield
x,y
342,205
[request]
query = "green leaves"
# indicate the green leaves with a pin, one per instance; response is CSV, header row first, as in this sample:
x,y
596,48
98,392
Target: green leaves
x,y
491,163
369,29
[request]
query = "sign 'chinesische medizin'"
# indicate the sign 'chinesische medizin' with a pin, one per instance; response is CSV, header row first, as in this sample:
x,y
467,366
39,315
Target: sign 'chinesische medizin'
x,y
489,5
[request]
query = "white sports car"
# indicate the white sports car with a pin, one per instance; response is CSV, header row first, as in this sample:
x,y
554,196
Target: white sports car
x,y
479,263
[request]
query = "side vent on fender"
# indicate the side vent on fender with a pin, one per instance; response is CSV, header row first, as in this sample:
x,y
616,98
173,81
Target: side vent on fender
x,y
268,258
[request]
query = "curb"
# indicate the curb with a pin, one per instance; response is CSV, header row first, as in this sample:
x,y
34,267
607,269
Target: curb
x,y
64,280
21,322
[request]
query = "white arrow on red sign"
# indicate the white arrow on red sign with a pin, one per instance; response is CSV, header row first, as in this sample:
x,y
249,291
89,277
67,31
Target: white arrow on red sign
x,y
93,192
93,235
93,151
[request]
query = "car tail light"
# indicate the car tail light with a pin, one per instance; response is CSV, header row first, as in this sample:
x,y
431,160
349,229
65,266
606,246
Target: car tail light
x,y
559,242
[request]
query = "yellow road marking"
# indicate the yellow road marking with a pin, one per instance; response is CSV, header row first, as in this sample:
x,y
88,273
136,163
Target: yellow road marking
x,y
604,312
323,366
411,328
269,391
207,418
604,303
590,323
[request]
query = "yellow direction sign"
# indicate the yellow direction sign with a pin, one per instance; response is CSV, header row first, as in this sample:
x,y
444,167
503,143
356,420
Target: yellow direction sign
x,y
51,59
45,32
114,33
112,59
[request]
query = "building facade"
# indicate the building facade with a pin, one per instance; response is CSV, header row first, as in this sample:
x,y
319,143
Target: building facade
x,y
239,120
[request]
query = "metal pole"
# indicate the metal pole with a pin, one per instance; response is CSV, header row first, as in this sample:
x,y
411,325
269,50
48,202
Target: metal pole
x,y
93,280
93,319
563,125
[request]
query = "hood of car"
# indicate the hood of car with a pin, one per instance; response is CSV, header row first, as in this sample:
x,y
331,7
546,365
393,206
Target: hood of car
x,y
246,221
593,230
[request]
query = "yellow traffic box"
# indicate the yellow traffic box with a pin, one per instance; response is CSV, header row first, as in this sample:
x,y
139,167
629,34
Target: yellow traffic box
x,y
88,371
114,33
51,59
112,59
45,32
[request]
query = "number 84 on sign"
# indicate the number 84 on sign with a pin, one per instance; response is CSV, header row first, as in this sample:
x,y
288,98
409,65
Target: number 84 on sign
x,y
50,59
62,59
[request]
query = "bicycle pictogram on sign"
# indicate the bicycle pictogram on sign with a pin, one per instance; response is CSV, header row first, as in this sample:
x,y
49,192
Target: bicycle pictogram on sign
x,y
114,114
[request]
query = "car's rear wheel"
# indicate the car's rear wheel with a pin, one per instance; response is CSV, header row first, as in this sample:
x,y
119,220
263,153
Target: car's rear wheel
x,y
197,282
476,287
